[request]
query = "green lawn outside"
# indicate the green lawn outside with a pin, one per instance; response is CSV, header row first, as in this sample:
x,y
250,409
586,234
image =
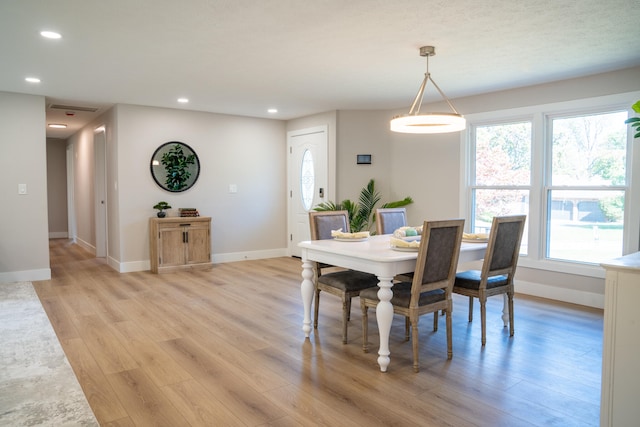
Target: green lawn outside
x,y
585,242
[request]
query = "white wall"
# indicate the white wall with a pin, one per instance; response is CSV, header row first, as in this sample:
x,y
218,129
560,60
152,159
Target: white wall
x,y
247,152
83,187
57,187
24,245
363,132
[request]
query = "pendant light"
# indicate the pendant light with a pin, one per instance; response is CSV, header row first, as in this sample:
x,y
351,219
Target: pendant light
x,y
414,122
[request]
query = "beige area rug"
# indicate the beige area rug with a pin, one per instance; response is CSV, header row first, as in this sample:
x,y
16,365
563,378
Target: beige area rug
x,y
37,385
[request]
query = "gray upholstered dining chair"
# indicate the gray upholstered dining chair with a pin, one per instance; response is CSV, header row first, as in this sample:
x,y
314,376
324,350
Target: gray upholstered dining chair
x,y
498,269
344,284
430,290
390,219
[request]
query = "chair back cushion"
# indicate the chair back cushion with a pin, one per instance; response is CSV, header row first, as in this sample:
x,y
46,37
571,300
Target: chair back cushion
x,y
323,223
504,242
437,258
390,219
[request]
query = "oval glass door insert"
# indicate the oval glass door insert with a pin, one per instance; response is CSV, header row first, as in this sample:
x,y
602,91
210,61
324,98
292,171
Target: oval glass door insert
x,y
307,179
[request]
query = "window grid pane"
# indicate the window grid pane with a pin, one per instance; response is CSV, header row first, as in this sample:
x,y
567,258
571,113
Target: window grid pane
x,y
585,204
585,226
503,154
499,202
502,178
589,150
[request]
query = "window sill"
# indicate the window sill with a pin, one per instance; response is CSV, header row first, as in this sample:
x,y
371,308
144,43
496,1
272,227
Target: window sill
x,y
588,270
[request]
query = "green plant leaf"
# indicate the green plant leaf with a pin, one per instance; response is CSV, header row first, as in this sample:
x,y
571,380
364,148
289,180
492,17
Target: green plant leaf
x,y
632,120
327,206
352,209
175,163
368,199
361,213
636,107
162,205
398,204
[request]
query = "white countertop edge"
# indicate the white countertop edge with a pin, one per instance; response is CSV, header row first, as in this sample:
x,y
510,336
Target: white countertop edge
x,y
627,262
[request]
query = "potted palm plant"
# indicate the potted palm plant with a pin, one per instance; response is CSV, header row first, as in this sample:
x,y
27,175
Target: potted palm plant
x,y
361,213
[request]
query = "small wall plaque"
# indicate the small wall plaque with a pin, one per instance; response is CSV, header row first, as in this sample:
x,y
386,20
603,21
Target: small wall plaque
x,y
363,159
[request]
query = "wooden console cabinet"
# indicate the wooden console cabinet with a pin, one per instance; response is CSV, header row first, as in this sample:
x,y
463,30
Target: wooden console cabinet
x,y
620,362
179,243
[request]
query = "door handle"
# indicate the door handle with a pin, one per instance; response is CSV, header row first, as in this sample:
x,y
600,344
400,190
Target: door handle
x,y
321,193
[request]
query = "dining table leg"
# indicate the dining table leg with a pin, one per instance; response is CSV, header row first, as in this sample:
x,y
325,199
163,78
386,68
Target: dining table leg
x,y
384,317
306,289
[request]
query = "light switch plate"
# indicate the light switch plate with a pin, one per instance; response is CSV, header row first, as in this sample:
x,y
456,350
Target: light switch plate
x,y
233,188
22,189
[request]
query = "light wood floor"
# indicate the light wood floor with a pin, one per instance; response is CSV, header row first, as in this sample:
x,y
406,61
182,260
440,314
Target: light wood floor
x,y
224,347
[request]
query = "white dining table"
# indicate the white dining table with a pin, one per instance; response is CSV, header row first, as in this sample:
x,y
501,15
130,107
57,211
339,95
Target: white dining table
x,y
373,255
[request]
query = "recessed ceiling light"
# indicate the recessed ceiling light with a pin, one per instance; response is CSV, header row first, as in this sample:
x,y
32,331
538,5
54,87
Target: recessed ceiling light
x,y
32,80
183,100
57,125
272,110
50,34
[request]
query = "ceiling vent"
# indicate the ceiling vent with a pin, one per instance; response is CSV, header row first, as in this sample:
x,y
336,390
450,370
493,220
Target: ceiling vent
x,y
73,108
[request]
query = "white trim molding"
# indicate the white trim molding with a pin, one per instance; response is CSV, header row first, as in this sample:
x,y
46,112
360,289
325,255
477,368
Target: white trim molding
x,y
26,275
572,296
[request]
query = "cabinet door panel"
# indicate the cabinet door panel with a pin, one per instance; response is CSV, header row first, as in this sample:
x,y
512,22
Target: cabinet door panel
x,y
171,247
198,245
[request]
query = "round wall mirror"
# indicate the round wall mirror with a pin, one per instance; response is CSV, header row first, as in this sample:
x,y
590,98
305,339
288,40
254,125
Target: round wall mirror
x,y
175,166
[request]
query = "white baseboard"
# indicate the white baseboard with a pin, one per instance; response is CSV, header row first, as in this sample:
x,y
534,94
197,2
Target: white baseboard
x,y
130,267
86,246
572,296
26,275
244,256
58,235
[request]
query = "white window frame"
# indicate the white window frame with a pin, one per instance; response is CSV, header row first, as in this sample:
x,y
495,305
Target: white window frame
x,y
539,116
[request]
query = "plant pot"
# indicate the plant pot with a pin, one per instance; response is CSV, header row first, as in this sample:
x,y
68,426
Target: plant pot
x,y
162,214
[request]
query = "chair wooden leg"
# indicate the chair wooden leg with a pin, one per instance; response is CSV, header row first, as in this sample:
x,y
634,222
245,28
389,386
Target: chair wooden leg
x,y
483,319
414,326
449,335
510,298
407,328
346,305
348,308
470,309
435,320
365,327
316,308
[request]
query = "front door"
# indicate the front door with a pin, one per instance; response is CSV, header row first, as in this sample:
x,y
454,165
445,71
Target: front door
x,y
308,151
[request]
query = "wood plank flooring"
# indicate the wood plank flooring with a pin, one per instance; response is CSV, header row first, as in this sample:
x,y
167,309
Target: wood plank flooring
x,y
224,347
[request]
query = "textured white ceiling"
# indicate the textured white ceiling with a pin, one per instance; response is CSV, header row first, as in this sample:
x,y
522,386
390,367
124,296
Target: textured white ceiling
x,y
303,57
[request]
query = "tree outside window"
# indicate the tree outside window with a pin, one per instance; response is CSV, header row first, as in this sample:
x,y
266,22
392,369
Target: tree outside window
x,y
586,198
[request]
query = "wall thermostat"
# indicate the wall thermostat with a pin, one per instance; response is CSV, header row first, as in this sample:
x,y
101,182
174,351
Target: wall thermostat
x,y
363,159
